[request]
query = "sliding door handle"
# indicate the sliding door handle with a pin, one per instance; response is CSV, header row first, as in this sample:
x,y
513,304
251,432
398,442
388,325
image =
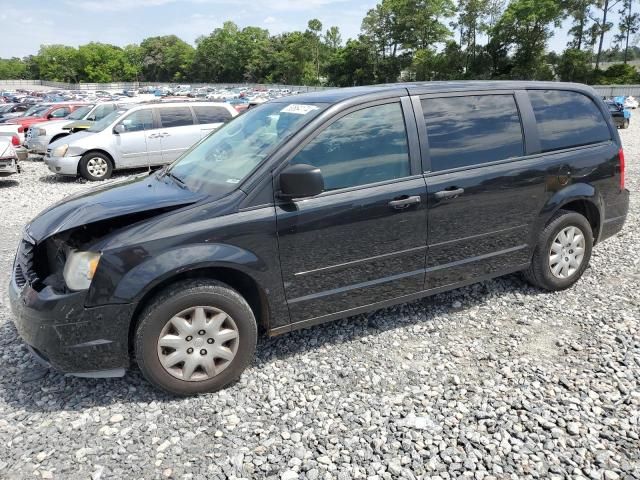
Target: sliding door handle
x,y
456,192
405,202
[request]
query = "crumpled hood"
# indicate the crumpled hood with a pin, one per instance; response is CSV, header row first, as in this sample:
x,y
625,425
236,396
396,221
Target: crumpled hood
x,y
114,199
79,124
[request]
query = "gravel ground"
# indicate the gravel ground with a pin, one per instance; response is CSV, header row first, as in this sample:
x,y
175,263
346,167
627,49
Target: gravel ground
x,y
497,380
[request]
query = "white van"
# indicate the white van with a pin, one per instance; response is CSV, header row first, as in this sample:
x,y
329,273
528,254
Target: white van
x,y
136,136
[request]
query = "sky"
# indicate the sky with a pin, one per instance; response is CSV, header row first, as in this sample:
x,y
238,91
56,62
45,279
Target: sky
x,y
27,24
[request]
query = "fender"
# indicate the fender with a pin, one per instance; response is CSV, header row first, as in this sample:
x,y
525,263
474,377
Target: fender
x,y
154,269
568,194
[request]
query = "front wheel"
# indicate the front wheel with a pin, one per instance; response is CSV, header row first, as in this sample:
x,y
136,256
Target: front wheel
x,y
196,337
562,252
95,166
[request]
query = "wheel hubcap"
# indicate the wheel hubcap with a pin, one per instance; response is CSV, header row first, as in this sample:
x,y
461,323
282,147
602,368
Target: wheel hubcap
x,y
198,343
567,252
97,166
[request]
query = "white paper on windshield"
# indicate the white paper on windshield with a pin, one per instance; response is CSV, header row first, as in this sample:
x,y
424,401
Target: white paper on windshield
x,y
299,109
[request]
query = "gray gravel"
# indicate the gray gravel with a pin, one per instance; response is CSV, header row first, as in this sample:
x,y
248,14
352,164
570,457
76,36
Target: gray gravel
x,y
497,380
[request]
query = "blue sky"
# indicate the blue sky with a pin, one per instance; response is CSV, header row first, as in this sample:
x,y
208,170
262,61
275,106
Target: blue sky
x,y
27,24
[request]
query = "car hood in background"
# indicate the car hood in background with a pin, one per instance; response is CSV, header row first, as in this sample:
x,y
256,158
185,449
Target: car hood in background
x,y
78,124
142,193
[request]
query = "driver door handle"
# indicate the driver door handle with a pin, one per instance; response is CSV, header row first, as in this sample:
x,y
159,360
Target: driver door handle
x,y
454,192
405,202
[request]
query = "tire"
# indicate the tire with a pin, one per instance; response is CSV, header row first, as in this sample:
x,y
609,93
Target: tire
x,y
181,301
95,166
625,124
540,271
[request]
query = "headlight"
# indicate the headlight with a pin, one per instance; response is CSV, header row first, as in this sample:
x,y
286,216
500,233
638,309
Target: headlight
x,y
42,132
80,268
60,151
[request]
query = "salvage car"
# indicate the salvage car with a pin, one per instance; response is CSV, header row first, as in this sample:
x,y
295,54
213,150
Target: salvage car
x,y
39,136
621,116
13,110
136,136
8,157
52,112
314,208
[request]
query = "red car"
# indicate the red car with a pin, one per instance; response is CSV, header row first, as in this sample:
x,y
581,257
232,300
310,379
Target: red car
x,y
55,111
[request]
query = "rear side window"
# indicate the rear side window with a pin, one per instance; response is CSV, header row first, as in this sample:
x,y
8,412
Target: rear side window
x,y
212,114
175,116
567,119
366,146
61,112
472,130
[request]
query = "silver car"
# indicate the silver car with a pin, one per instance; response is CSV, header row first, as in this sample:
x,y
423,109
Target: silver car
x,y
136,136
39,136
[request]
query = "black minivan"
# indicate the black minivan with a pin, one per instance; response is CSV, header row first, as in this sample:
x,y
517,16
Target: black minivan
x,y
317,207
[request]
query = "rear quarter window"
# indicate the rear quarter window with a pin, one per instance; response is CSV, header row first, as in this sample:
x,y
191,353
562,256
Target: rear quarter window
x,y
175,116
567,119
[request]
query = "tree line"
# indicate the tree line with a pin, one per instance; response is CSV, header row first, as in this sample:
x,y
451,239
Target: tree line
x,y
399,40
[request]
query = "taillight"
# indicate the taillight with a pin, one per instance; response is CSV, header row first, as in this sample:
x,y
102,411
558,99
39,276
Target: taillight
x,y
621,159
15,140
20,129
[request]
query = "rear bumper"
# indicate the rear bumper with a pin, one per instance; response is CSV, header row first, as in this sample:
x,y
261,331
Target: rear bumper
x,y
8,166
616,216
61,332
37,145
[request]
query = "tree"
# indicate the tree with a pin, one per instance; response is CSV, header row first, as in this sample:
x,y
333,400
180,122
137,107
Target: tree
x,y
629,24
166,58
601,25
525,27
101,63
579,32
58,63
352,65
13,69
574,65
333,39
314,28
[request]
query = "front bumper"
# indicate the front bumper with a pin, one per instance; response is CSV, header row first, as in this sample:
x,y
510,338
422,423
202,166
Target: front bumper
x,y
8,166
62,332
63,165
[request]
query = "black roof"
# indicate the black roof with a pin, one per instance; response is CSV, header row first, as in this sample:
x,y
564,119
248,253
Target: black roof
x,y
339,94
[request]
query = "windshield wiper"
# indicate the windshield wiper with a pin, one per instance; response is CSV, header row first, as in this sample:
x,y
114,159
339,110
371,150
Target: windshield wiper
x,y
177,179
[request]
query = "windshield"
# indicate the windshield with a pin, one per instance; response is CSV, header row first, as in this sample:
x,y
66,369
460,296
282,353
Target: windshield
x,y
80,113
35,110
227,156
100,125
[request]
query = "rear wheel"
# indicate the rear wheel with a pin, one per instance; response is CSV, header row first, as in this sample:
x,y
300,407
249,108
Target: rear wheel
x,y
196,337
95,166
562,252
625,124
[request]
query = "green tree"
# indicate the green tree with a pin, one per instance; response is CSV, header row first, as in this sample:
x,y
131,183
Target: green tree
x,y
579,11
525,26
101,63
166,58
601,25
13,68
58,63
314,27
333,39
629,24
574,65
352,65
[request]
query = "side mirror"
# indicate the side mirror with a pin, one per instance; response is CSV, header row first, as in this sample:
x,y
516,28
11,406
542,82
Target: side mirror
x,y
91,119
301,180
118,129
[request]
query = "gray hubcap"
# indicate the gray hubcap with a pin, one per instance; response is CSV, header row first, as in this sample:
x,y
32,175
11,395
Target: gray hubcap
x,y
567,252
97,166
198,343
